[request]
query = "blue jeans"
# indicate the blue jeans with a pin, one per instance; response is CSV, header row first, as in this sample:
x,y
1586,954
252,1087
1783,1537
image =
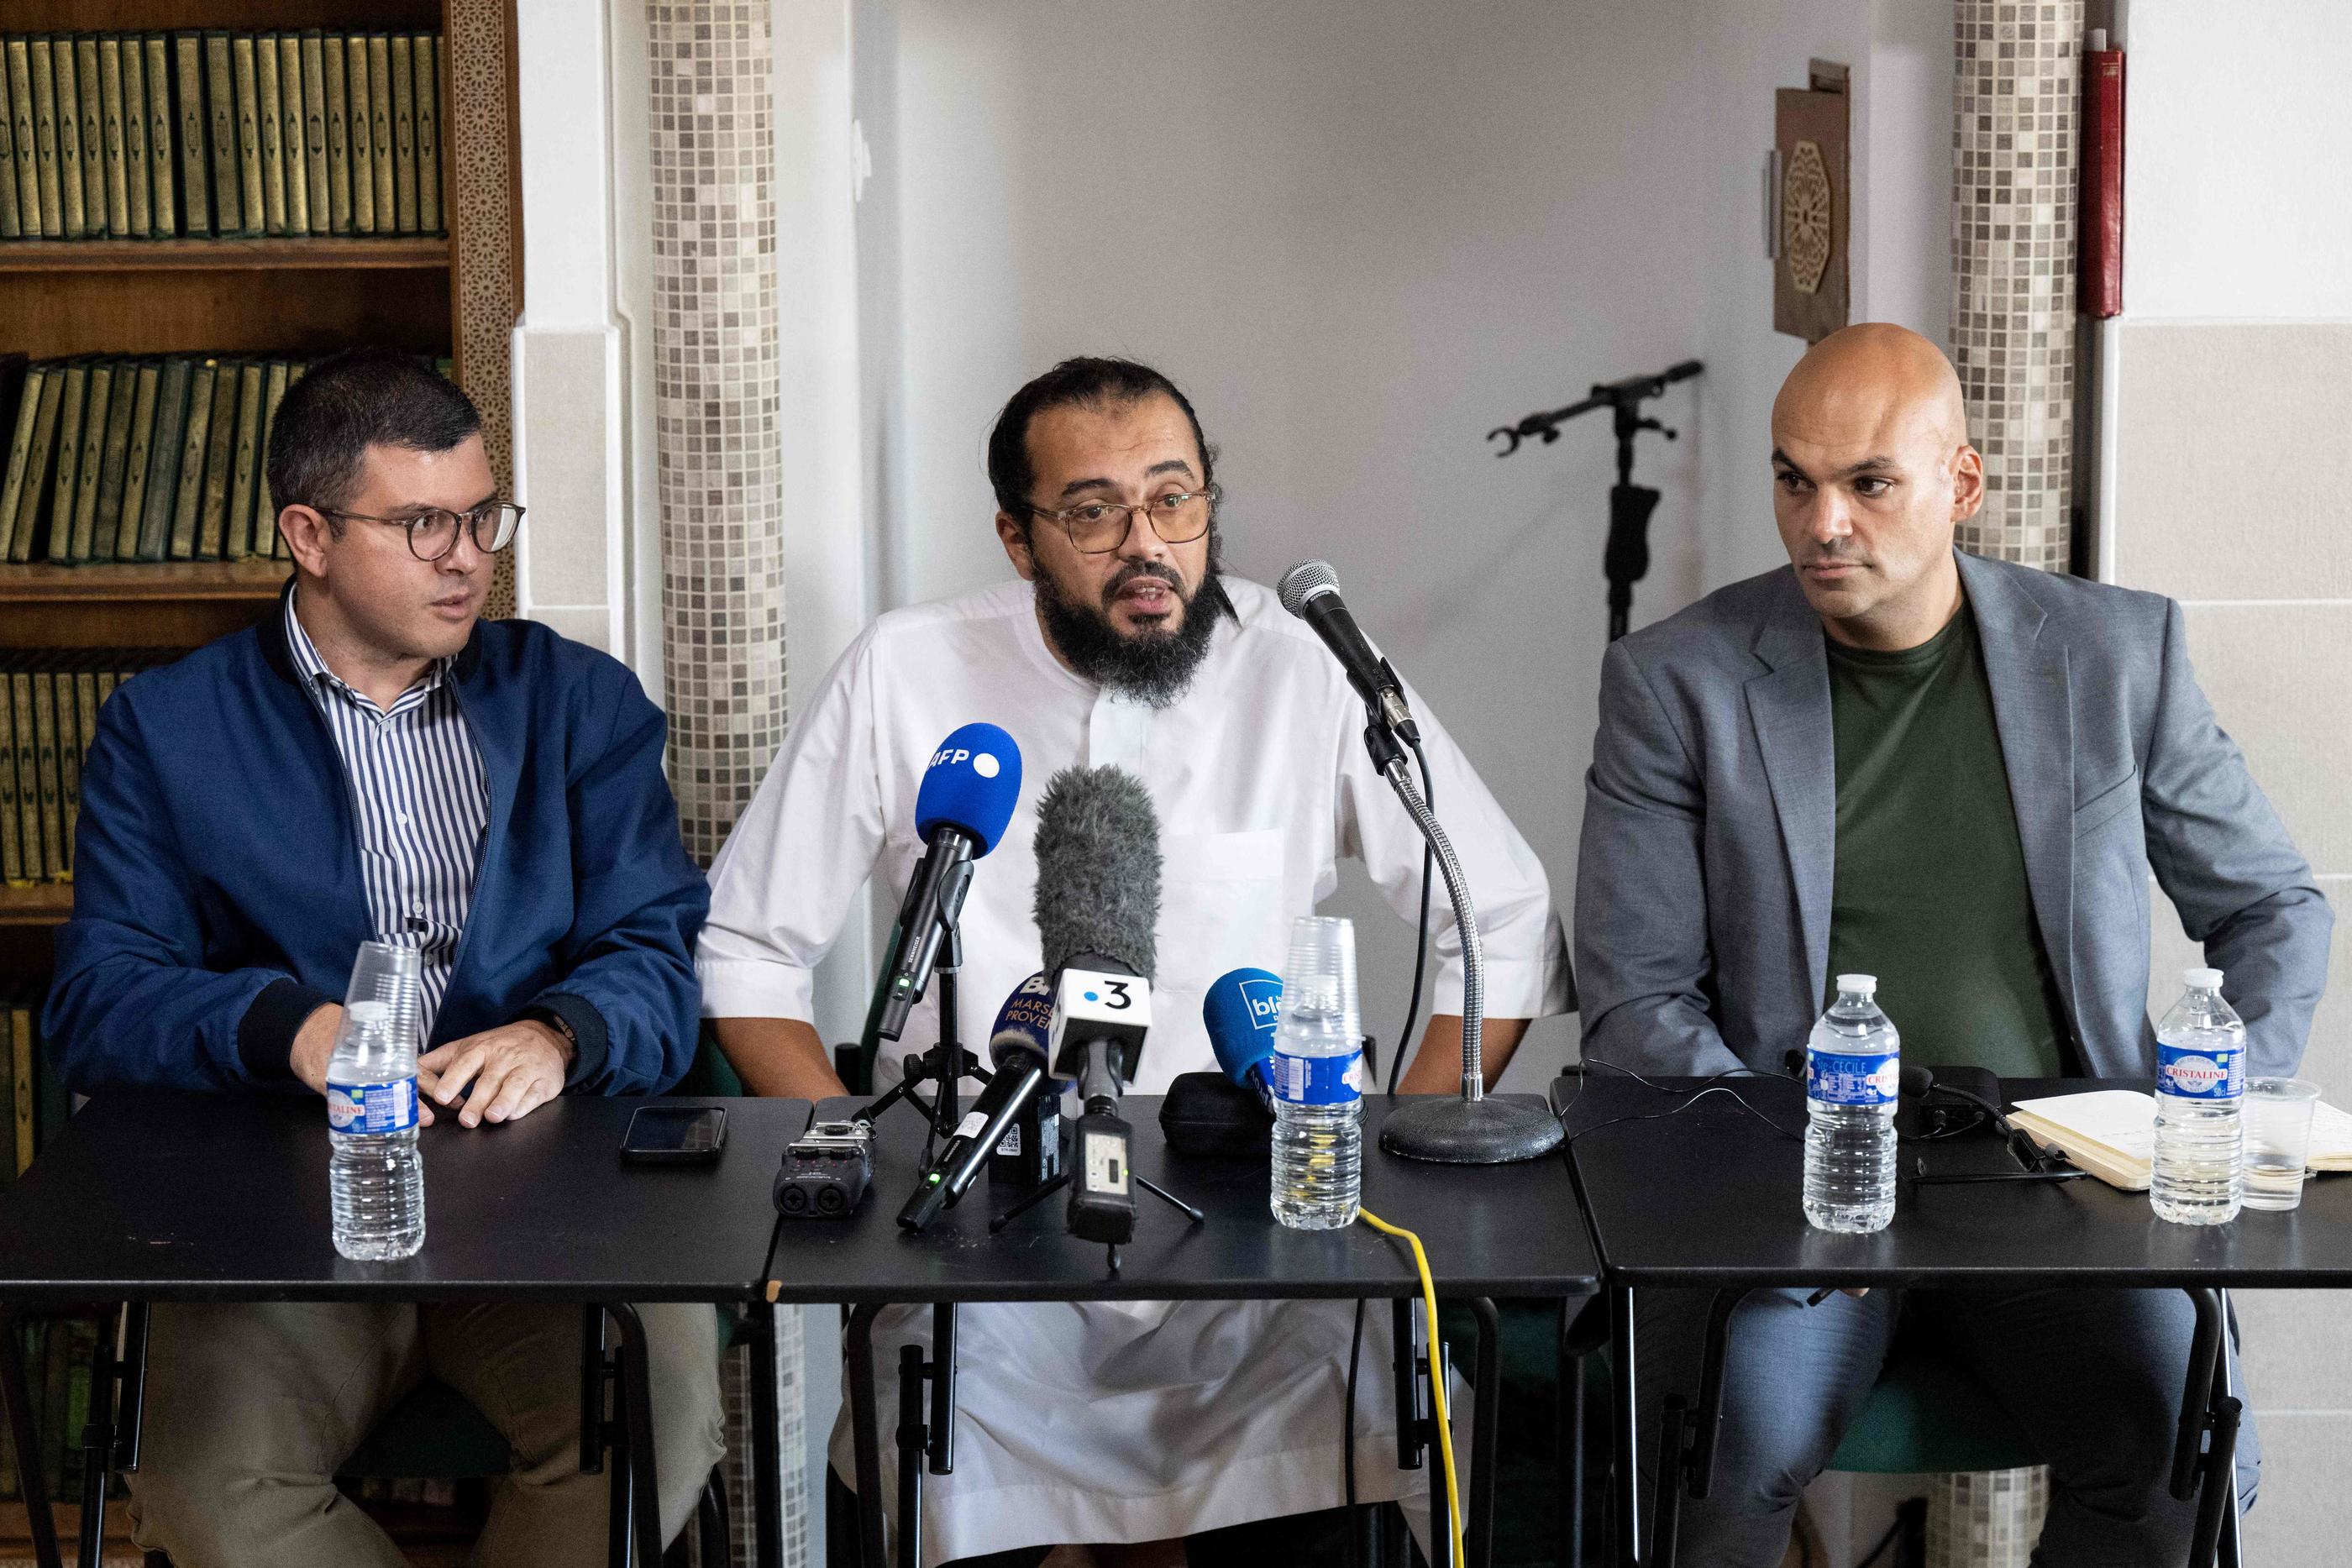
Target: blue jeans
x,y
2093,1379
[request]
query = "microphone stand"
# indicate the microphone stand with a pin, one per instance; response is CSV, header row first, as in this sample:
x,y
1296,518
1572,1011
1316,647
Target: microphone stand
x,y
1625,561
944,1063
1472,1130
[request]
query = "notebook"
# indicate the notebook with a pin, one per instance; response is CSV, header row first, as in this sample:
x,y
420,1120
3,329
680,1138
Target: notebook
x,y
2111,1133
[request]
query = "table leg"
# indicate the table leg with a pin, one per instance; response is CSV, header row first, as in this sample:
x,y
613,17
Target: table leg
x,y
767,1440
2231,1543
865,1433
909,1543
1409,1411
940,1441
1569,1379
1626,1489
636,1395
1487,1400
32,1481
2207,1406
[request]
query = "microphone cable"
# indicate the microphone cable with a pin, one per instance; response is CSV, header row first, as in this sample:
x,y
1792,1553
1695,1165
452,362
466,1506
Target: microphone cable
x,y
1437,1376
1403,1045
1692,1095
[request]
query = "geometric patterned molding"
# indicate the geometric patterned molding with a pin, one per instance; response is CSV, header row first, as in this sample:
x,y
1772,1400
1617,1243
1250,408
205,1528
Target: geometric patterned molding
x,y
484,245
717,391
2016,113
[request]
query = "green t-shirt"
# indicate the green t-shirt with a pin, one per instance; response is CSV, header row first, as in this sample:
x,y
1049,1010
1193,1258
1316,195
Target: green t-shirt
x,y
1930,895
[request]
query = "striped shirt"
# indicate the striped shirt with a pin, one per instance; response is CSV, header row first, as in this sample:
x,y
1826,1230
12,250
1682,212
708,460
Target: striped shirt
x,y
422,799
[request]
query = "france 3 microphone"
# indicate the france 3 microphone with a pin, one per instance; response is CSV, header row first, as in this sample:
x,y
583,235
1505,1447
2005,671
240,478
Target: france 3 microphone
x,y
1310,590
1015,1125
1098,908
962,807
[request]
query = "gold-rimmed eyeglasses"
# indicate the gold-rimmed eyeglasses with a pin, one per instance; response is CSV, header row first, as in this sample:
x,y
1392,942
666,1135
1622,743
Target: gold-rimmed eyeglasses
x,y
433,534
1098,527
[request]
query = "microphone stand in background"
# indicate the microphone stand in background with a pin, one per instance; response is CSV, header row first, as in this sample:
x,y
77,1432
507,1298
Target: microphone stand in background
x,y
1626,559
1472,1130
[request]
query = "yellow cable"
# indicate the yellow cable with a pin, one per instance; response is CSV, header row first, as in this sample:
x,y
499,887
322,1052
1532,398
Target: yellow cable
x,y
1436,1375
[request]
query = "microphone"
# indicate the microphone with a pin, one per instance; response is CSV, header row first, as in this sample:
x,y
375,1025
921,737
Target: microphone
x,y
1016,1047
1241,1013
1310,590
960,810
1097,908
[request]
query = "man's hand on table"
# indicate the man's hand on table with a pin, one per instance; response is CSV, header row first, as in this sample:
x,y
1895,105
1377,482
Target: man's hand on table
x,y
512,1070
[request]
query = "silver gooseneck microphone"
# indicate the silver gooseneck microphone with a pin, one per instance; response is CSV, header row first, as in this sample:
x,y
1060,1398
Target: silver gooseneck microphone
x,y
1473,1129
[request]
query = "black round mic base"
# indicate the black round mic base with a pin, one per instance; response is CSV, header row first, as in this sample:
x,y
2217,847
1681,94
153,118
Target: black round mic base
x,y
1499,1130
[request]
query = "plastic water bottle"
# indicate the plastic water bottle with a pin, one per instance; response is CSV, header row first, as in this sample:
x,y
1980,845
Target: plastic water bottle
x,y
1853,1073
1318,1074
2200,1078
376,1173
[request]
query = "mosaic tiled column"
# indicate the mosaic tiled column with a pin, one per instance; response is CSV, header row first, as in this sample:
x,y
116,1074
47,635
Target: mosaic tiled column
x,y
718,461
2016,109
716,392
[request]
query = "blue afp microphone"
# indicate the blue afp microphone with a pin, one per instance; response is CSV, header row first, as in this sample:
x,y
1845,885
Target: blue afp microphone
x,y
1241,1012
962,809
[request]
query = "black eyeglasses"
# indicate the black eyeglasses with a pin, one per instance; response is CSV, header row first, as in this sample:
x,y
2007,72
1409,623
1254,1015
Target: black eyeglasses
x,y
1098,527
433,534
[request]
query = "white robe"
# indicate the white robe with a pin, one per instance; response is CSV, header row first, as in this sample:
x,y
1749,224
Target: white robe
x,y
1122,1421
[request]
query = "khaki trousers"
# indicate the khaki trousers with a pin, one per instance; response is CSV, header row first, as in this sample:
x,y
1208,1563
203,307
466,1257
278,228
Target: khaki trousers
x,y
251,1408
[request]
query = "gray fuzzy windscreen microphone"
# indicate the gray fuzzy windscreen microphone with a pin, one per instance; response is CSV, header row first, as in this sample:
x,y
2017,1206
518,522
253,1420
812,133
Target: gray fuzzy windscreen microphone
x,y
1098,871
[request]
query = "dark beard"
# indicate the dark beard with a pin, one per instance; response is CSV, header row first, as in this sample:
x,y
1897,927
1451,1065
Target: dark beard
x,y
1156,668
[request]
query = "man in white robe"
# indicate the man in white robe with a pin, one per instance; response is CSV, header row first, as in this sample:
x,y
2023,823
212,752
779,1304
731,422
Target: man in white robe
x,y
1125,1425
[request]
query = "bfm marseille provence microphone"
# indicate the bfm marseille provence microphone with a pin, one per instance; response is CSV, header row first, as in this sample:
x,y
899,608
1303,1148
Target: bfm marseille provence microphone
x,y
1017,1049
1241,1013
1310,590
1097,905
960,810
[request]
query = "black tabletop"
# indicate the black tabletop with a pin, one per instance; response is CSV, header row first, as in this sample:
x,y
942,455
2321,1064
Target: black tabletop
x,y
1508,1230
187,1198
1711,1197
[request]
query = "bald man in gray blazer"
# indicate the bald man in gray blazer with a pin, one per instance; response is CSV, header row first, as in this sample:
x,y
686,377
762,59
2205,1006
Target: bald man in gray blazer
x,y
1958,775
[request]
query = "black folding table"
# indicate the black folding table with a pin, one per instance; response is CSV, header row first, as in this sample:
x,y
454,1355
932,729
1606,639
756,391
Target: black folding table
x,y
1709,1197
1494,1231
147,1197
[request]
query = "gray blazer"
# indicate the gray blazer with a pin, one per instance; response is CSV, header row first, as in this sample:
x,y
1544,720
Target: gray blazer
x,y
1703,886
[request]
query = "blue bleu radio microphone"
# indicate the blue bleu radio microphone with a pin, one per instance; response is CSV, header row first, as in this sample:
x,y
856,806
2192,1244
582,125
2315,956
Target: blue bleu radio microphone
x,y
1241,1012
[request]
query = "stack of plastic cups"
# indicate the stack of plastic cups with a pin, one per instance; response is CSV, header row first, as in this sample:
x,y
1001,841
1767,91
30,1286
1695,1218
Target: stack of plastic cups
x,y
376,1174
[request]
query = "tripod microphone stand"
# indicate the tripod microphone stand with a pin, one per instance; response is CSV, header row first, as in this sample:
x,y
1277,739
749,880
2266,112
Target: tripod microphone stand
x,y
1626,559
943,1064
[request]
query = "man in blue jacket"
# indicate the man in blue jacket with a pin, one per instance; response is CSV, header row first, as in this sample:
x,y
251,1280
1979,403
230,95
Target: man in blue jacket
x,y
373,762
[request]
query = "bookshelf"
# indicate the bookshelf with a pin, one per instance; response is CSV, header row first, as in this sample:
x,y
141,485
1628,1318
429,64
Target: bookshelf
x,y
453,295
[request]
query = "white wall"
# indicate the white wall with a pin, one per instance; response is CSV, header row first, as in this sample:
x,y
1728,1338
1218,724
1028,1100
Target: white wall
x,y
1360,236
1899,52
2230,373
2237,204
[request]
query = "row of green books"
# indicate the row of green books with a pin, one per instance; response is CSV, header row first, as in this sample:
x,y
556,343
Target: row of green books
x,y
139,459
159,135
50,699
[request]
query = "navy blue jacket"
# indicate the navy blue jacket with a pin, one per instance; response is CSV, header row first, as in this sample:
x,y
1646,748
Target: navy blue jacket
x,y
218,899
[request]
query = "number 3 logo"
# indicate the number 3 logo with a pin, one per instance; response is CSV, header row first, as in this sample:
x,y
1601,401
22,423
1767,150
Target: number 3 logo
x,y
1120,1000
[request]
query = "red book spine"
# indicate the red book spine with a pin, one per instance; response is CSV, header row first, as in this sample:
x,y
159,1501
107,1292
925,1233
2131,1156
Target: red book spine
x,y
2100,274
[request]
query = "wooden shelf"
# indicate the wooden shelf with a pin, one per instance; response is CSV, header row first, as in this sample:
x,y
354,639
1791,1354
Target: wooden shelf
x,y
42,903
379,253
44,583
